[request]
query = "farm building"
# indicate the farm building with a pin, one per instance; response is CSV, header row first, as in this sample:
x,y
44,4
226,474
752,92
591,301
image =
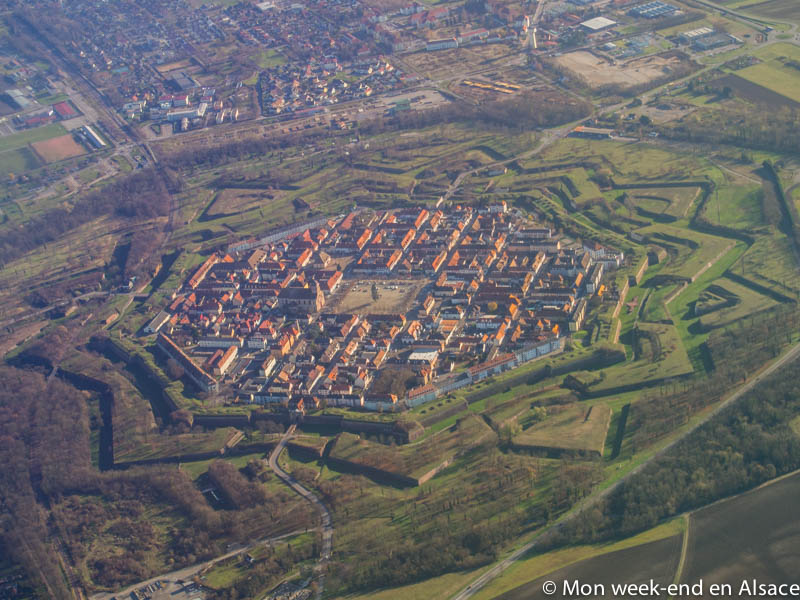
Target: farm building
x,y
595,133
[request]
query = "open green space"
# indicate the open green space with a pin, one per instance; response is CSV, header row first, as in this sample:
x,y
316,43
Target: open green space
x,y
747,302
736,206
532,567
769,262
690,251
571,428
17,161
270,58
22,139
415,460
662,355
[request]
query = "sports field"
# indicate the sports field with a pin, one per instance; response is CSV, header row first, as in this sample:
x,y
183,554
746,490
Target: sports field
x,y
58,148
17,161
16,156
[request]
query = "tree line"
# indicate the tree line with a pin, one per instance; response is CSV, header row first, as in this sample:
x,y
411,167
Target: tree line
x,y
49,491
750,442
732,354
141,195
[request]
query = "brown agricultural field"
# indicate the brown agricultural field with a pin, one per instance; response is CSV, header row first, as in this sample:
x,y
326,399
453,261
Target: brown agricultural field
x,y
58,148
755,535
753,92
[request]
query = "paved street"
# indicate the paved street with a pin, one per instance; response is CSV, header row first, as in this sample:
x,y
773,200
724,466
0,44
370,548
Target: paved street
x,y
325,516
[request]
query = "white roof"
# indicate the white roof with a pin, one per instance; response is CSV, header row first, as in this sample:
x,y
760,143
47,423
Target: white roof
x,y
598,23
698,32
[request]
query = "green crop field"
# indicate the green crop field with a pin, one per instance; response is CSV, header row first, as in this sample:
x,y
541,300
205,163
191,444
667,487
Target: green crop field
x,y
772,9
774,76
776,73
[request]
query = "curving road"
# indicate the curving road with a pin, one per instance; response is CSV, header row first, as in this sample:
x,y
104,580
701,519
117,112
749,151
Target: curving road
x,y
326,523
187,573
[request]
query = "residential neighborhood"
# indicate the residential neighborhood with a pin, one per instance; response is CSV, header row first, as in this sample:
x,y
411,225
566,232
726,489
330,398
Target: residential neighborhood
x,y
451,295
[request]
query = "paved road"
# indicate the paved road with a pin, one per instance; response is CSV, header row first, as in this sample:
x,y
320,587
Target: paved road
x,y
496,570
325,516
187,573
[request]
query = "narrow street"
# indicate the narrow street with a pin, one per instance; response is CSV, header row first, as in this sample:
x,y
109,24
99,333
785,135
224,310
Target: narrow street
x,y
325,516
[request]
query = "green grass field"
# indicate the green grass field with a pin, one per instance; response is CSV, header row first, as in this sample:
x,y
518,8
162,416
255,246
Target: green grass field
x,y
16,157
270,58
577,427
688,261
737,206
530,568
770,262
673,361
629,162
22,139
416,459
775,73
17,161
750,302
674,202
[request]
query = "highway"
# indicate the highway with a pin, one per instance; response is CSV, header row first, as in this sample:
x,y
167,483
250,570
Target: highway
x,y
792,354
326,523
